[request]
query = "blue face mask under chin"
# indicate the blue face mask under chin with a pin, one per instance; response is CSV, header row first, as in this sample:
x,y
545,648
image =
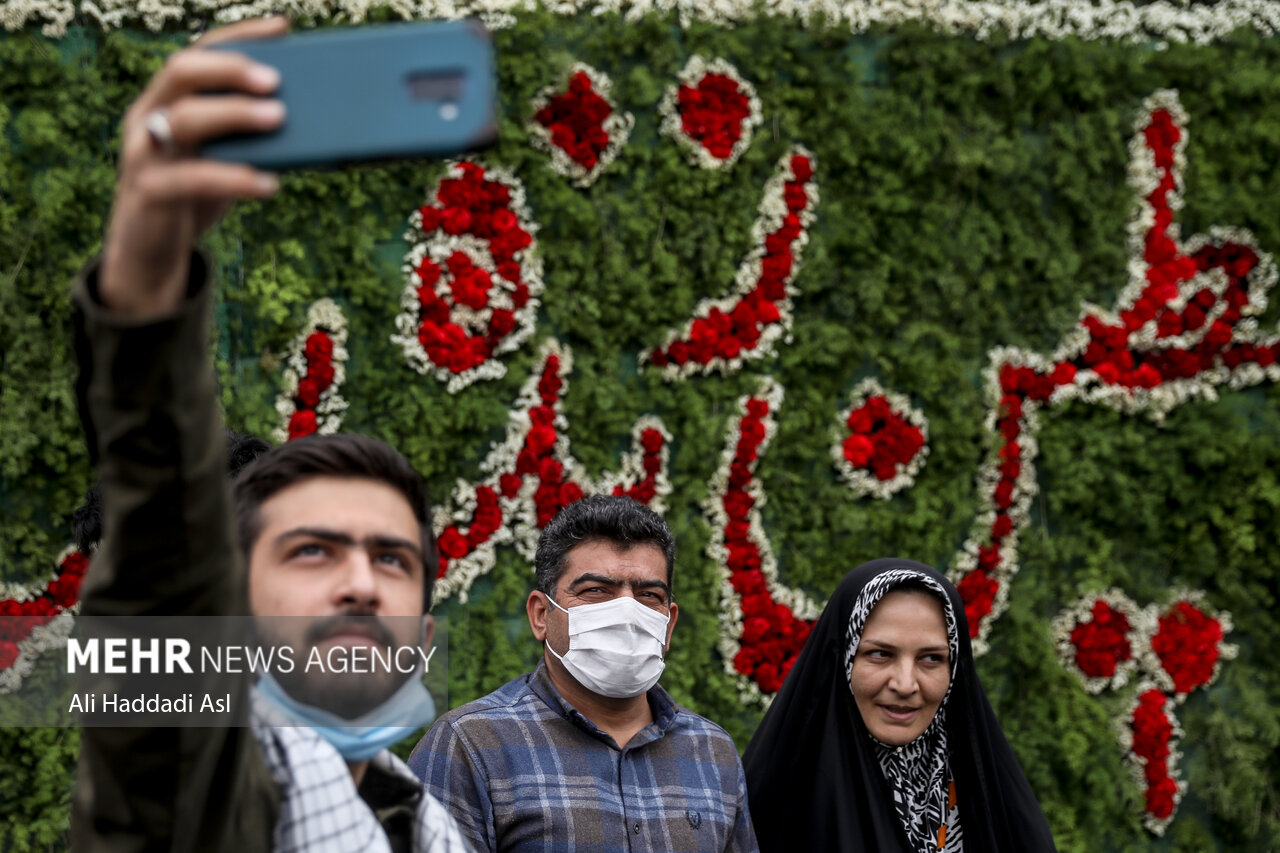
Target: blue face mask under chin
x,y
405,711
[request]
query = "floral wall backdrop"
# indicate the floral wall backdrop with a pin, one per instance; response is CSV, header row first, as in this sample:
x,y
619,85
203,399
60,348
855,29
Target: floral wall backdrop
x,y
984,285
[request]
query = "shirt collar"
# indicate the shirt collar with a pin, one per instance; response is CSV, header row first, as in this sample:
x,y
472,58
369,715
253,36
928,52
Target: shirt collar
x,y
661,704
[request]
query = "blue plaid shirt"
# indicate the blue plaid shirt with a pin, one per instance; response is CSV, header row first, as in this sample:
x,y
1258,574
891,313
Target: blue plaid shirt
x,y
523,772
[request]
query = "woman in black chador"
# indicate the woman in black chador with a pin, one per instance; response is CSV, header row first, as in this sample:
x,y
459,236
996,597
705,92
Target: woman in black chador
x,y
882,739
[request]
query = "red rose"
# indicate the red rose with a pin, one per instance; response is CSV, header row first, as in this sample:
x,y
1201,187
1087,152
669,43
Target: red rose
x,y
526,462
769,678
801,167
473,354
752,431
453,544
988,557
1064,373
459,192
914,440
1218,336
504,220
429,304
540,440
1187,645
65,590
542,415
570,492
456,220
737,503
1146,376
459,263
735,531
486,497
322,374
8,654
796,198
308,392
549,383
1160,798
471,289
747,583
858,450
510,270
550,470
510,484
1103,643
978,591
42,610
497,193
884,469
729,348
652,441
430,218
643,492
76,563
431,335
860,421
743,557
319,347
302,422
776,267
502,322
520,296
739,475
746,660
753,629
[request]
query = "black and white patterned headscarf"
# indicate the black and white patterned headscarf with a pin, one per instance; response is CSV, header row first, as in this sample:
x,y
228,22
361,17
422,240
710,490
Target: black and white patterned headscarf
x,y
918,772
817,781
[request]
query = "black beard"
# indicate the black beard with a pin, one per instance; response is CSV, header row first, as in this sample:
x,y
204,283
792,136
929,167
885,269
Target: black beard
x,y
348,695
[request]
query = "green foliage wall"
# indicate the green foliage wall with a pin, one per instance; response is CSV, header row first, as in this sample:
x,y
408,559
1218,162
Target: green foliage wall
x,y
973,194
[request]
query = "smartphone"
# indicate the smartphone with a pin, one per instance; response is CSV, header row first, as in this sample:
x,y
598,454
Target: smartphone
x,y
371,93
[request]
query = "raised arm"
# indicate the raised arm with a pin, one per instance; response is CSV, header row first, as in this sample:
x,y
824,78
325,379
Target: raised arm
x,y
149,406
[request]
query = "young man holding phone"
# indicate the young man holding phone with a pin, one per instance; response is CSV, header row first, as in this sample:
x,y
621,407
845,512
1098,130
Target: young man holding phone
x,y
334,531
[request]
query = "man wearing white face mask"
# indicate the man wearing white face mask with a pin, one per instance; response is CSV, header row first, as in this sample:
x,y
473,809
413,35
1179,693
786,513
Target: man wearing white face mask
x,y
586,754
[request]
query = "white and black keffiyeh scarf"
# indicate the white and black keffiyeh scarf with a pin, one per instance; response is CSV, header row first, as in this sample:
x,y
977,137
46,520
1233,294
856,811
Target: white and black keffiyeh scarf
x,y
918,773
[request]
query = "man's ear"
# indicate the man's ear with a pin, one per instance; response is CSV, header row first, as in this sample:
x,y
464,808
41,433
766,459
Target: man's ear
x,y
671,626
428,633
536,606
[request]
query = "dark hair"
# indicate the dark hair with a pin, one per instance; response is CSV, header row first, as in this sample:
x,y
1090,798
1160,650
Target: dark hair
x,y
620,520
86,521
347,455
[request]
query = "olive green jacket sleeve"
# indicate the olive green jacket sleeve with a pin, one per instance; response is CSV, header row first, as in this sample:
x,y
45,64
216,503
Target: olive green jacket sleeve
x,y
149,407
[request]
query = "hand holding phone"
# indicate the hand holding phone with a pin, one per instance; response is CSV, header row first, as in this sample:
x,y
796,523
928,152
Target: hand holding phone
x,y
165,198
368,93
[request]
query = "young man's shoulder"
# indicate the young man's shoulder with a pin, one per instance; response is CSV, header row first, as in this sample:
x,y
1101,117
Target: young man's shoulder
x,y
511,699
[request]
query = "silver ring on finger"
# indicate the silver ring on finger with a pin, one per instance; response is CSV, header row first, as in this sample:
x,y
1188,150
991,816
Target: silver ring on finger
x,y
161,132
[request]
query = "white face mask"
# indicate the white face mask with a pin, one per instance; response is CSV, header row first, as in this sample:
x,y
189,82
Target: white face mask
x,y
615,647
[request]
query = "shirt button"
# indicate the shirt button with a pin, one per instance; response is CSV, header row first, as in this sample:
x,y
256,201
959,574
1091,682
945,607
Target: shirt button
x,y
636,829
